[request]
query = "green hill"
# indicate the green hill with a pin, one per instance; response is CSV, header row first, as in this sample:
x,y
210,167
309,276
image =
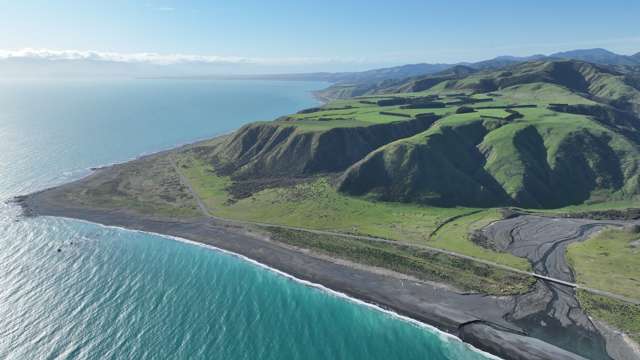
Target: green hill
x,y
288,148
390,86
541,134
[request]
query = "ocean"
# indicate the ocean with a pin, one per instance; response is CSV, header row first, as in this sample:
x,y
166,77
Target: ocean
x,y
75,290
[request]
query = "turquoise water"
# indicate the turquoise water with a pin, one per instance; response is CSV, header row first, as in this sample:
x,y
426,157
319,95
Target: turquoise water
x,y
118,294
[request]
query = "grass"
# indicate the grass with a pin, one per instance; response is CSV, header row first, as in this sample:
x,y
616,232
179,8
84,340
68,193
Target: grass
x,y
608,261
464,274
148,186
514,154
147,207
454,236
317,205
534,175
540,94
622,316
353,112
211,188
367,113
454,121
498,113
533,154
592,206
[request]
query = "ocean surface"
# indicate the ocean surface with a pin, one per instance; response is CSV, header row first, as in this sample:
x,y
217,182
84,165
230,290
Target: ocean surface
x,y
117,294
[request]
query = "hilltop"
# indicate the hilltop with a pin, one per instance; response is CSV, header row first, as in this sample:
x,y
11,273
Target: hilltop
x,y
349,85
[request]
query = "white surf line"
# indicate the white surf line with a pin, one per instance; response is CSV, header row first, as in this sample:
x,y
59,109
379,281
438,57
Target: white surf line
x,y
443,335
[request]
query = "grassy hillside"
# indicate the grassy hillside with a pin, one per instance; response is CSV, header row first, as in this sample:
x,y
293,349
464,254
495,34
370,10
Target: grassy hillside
x,y
543,134
565,143
396,85
316,204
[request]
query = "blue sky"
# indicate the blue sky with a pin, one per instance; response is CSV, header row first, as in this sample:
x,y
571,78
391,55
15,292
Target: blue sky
x,y
321,35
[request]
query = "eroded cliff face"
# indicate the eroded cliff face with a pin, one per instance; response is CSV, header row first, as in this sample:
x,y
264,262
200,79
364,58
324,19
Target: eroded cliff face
x,y
277,149
481,163
443,166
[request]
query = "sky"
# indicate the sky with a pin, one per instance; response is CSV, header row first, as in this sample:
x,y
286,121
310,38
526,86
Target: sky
x,y
310,35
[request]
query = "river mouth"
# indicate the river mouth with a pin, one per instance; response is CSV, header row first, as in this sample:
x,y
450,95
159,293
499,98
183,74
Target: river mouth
x,y
543,241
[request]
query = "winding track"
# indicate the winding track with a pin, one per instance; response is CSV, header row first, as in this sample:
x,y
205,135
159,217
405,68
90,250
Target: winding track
x,y
541,273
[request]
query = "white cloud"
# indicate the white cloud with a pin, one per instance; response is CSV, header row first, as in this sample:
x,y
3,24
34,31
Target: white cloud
x,y
167,59
165,8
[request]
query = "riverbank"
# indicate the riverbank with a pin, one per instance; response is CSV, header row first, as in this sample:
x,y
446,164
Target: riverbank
x,y
477,319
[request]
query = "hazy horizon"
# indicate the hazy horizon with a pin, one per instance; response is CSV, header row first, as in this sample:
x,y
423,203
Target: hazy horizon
x,y
250,37
71,63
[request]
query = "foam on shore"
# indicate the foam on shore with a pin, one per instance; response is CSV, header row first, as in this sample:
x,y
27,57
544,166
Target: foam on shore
x,y
443,335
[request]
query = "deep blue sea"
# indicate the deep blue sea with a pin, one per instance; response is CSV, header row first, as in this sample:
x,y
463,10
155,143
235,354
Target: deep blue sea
x,y
118,294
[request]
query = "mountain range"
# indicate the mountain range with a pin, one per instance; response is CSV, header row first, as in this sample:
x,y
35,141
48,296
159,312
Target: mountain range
x,y
595,56
39,66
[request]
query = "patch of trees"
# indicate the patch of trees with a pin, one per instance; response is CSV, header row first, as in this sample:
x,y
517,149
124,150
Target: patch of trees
x,y
425,105
394,114
465,110
464,100
425,116
410,103
507,107
512,116
392,102
310,110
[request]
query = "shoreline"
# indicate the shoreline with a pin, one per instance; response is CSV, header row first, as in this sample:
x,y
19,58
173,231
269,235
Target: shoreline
x,y
306,283
474,319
